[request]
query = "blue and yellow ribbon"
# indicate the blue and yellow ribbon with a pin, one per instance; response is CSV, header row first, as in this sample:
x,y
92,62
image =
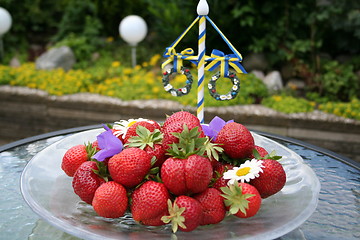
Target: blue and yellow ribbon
x,y
177,58
218,58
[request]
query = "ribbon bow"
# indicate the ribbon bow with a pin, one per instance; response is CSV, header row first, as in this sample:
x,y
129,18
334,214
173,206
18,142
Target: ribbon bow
x,y
219,58
177,58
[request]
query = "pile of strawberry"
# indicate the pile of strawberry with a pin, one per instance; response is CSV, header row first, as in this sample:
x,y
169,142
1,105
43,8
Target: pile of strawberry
x,y
181,173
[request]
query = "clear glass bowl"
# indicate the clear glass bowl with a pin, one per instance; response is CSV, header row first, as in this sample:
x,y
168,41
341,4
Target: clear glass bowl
x,y
48,191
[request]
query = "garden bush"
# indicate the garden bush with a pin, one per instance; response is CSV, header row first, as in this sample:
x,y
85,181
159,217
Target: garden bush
x,y
289,104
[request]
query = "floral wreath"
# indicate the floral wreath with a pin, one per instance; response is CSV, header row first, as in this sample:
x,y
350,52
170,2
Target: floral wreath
x,y
231,94
181,91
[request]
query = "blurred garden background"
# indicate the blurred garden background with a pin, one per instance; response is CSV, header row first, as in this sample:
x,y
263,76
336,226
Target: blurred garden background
x,y
314,44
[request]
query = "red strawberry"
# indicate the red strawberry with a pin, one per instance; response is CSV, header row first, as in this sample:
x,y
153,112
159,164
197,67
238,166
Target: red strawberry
x,y
213,206
180,116
271,180
236,140
150,125
243,200
110,200
175,124
262,152
219,183
186,214
186,176
186,172
86,181
95,144
130,166
218,180
150,142
75,156
149,203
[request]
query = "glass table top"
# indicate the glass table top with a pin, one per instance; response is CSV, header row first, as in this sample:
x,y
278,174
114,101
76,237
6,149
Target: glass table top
x,y
336,217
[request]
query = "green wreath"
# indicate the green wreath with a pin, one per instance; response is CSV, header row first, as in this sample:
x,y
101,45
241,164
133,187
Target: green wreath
x,y
181,91
231,94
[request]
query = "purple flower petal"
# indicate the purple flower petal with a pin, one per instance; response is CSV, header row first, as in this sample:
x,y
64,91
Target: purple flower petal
x,y
109,145
208,131
214,127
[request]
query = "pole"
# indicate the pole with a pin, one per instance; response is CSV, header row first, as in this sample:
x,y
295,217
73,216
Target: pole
x,y
202,10
1,49
133,56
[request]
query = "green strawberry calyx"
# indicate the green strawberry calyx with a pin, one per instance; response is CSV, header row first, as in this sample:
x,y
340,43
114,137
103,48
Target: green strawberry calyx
x,y
271,155
235,198
189,143
90,150
175,216
145,138
102,171
212,150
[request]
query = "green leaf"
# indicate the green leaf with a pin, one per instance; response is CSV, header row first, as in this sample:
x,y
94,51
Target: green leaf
x,y
256,154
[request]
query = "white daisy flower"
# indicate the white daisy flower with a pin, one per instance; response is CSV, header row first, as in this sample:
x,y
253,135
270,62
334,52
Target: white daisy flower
x,y
235,87
209,86
173,92
247,171
168,87
222,97
184,90
121,127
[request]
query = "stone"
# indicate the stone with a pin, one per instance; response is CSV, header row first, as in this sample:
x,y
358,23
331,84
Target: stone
x,y
62,57
255,61
273,81
259,74
15,62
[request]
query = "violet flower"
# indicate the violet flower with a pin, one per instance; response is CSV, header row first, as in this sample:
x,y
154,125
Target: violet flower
x,y
109,145
213,128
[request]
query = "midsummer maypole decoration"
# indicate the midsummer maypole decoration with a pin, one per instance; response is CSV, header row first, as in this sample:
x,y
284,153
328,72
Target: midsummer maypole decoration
x,y
174,64
202,10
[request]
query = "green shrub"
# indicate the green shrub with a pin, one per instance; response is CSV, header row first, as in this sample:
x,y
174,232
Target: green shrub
x,y
288,104
338,82
348,110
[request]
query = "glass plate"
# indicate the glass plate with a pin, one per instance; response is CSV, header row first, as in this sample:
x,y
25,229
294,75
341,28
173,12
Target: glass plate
x,y
48,191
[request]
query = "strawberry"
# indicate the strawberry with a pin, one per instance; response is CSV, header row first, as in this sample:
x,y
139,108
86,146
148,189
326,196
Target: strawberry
x,y
187,171
86,181
110,200
130,166
150,142
150,125
271,180
75,156
218,181
95,145
213,206
186,176
175,124
185,214
236,140
261,152
149,203
242,199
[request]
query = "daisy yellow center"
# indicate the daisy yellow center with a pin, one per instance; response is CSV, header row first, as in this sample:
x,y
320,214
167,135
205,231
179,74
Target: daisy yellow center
x,y
131,123
243,171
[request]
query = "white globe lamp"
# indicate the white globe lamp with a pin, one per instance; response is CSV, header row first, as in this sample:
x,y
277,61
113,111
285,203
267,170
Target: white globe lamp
x,y
133,30
5,25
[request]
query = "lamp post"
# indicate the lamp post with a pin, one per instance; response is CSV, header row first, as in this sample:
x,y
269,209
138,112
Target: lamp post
x,y
133,30
5,24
